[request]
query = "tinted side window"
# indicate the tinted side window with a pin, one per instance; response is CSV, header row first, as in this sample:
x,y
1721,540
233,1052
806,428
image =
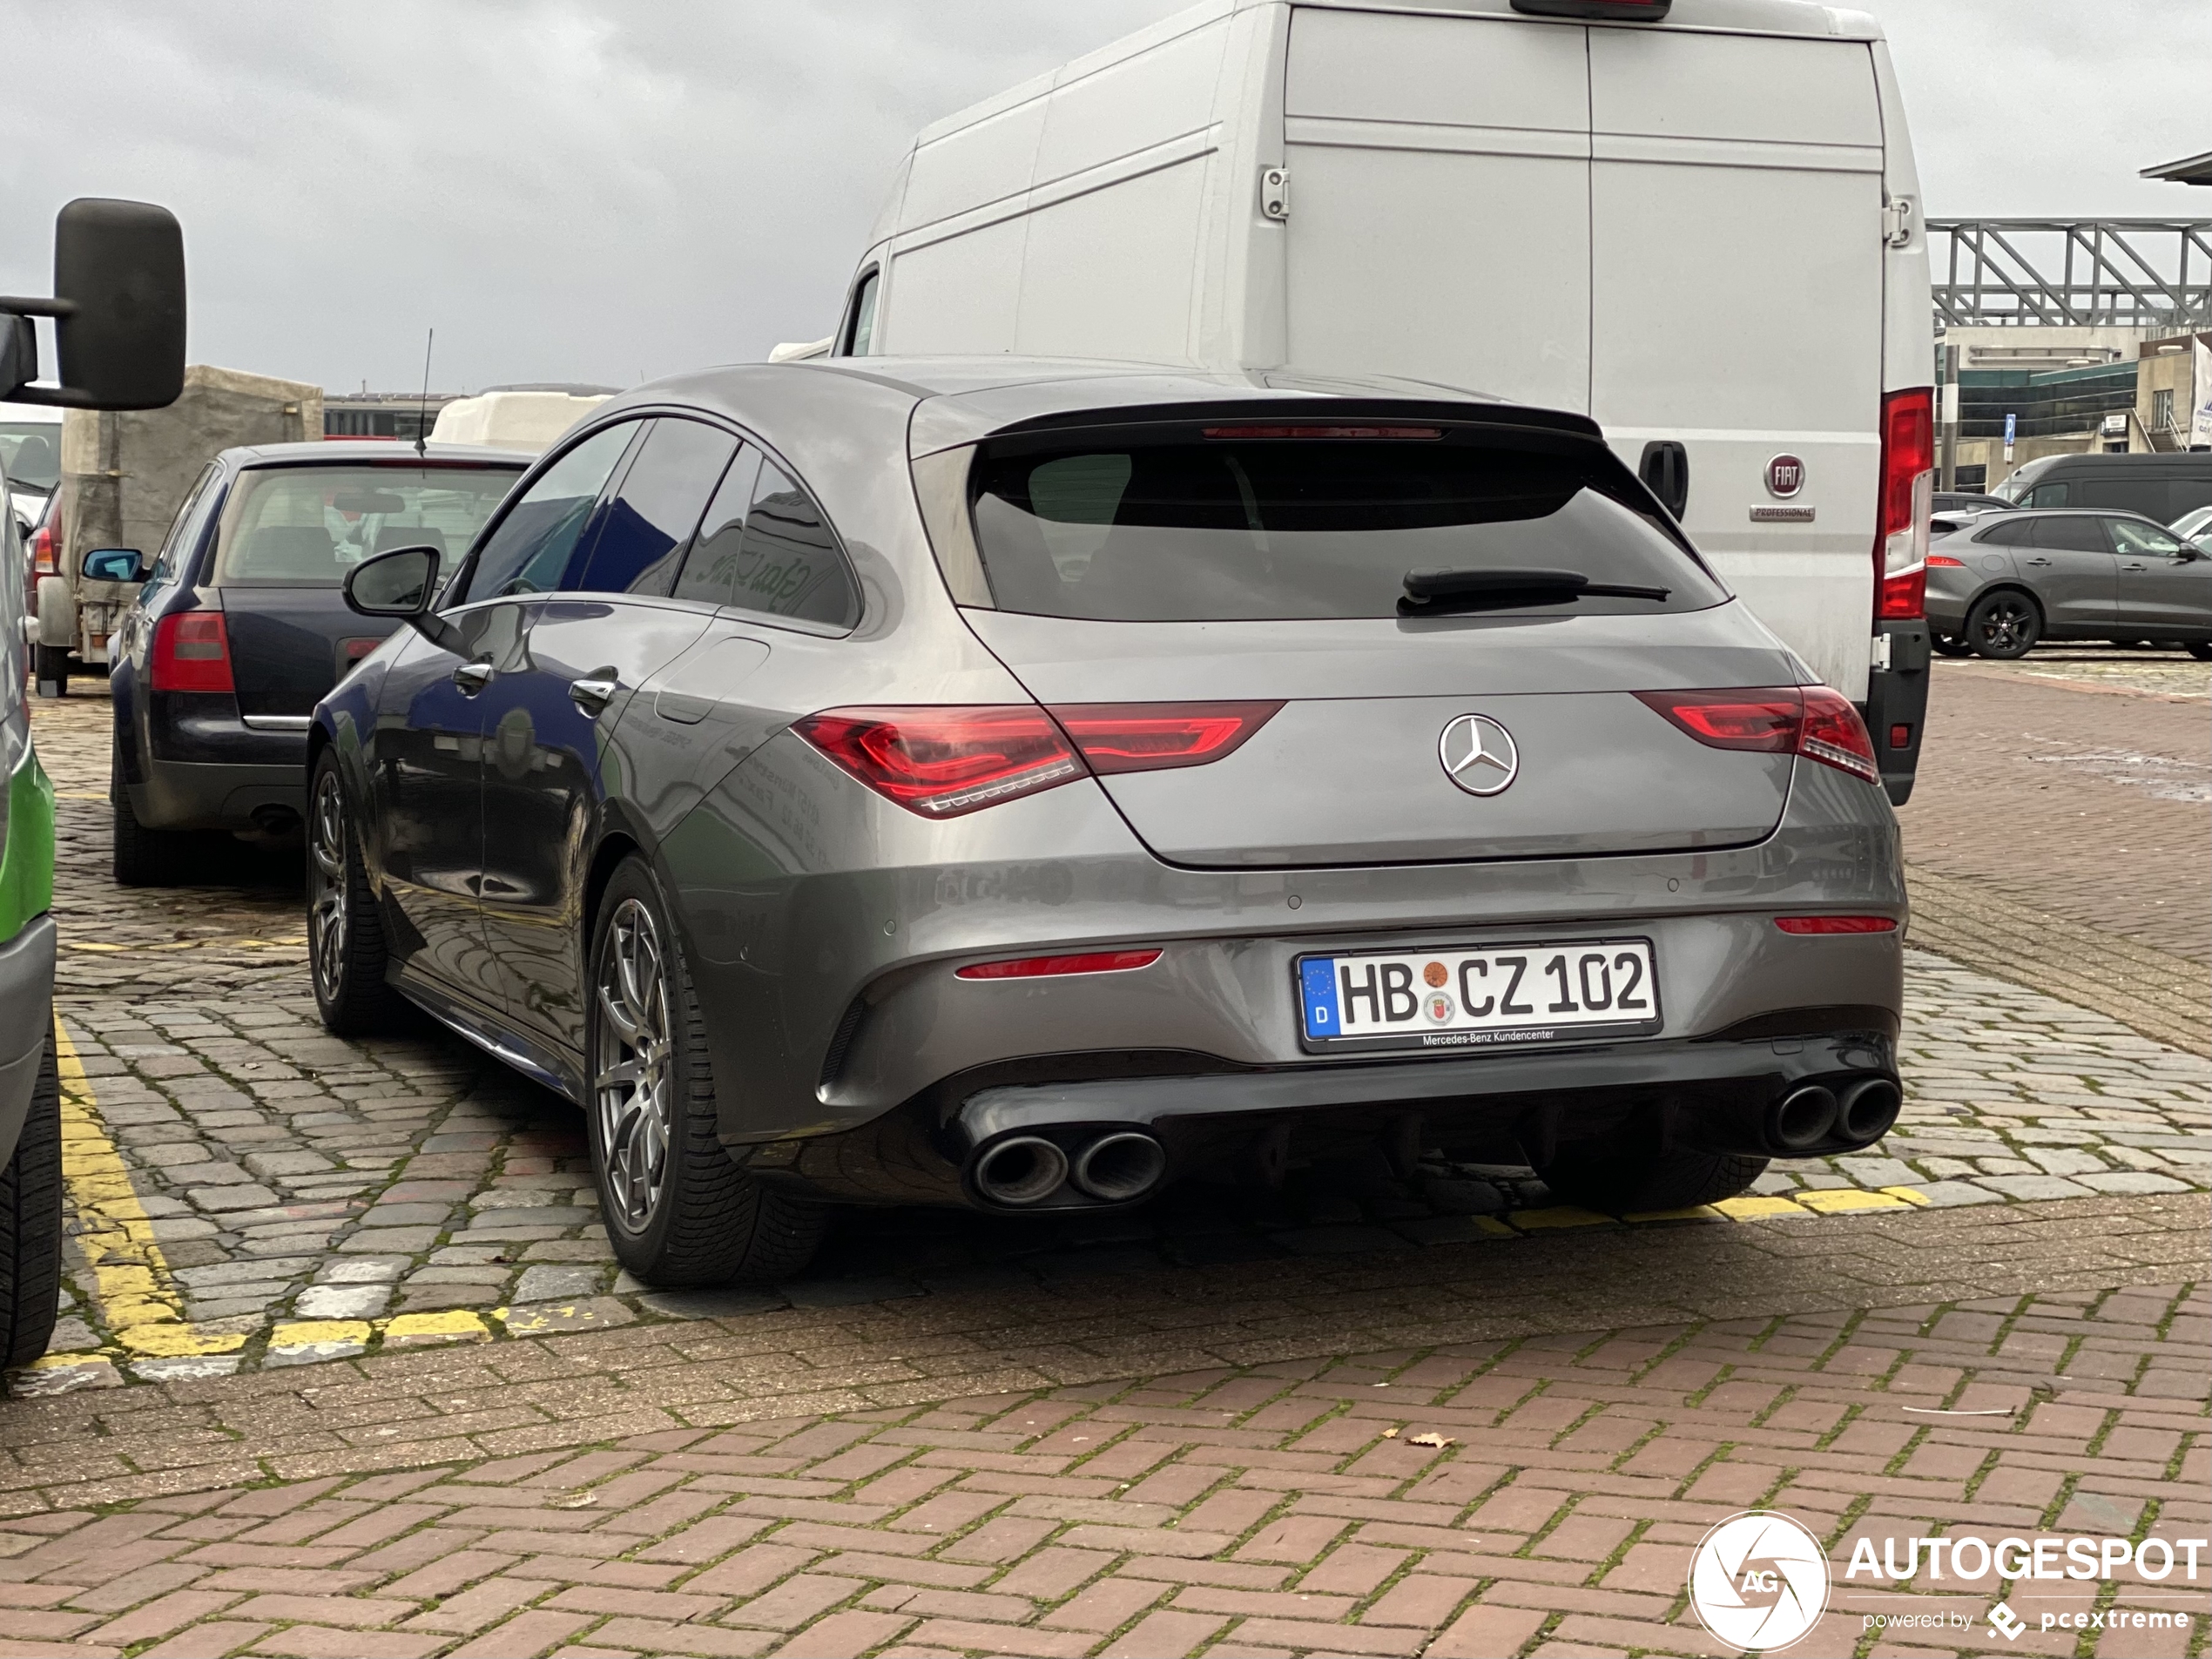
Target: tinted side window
x,y
710,568
178,543
2078,535
528,553
2012,533
643,529
788,563
2049,495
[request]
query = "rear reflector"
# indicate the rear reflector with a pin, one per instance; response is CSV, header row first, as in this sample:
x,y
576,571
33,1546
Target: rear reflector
x,y
191,653
1324,432
942,762
1944,561
1900,737
1604,11
1148,736
1908,493
1836,924
1100,962
1813,721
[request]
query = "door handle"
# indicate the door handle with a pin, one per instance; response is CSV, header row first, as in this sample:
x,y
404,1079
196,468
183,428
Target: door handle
x,y
2135,567
2035,562
593,695
472,677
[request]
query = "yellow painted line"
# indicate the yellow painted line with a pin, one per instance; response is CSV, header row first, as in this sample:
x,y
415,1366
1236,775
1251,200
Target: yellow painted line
x,y
1753,1209
1696,1212
1845,1201
456,1325
306,1333
131,1279
1912,1195
1565,1215
190,944
81,794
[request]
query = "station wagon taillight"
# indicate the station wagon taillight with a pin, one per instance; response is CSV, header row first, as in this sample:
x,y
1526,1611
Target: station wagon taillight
x,y
1908,494
45,557
191,653
1814,721
942,762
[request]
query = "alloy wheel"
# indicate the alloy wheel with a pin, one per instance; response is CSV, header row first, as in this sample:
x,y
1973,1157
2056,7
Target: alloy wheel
x,y
2004,626
631,1091
327,884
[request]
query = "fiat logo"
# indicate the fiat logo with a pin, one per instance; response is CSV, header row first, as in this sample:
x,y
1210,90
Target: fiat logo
x,y
1785,476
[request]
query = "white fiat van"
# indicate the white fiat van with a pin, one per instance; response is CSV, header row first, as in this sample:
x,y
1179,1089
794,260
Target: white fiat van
x,y
1697,222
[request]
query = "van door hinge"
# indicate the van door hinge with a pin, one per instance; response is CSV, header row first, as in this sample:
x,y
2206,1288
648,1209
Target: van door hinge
x,y
1275,192
1897,221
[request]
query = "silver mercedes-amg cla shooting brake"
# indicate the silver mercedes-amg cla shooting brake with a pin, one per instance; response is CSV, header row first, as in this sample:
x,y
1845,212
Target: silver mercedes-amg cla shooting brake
x,y
1020,784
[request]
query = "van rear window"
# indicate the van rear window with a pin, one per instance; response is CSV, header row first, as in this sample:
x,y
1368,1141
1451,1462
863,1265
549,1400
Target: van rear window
x,y
1122,528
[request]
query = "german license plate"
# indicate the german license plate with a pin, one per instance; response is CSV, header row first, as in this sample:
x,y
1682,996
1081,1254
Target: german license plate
x,y
1479,996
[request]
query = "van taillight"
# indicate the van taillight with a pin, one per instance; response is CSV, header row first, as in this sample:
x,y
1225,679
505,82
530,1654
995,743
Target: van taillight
x,y
45,557
1908,493
1604,11
191,653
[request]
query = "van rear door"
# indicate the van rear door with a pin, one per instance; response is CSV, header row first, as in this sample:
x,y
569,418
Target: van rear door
x,y
1735,305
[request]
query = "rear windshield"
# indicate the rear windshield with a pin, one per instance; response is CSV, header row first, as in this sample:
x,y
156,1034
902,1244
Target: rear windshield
x,y
1115,528
31,454
305,527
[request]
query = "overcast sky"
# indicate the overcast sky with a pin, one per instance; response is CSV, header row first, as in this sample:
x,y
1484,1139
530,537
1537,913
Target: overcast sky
x,y
602,190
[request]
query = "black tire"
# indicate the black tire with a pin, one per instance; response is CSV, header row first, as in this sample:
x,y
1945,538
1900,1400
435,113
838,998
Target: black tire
x,y
1676,1180
678,1211
30,1224
142,857
2201,650
1949,645
50,669
346,956
2003,626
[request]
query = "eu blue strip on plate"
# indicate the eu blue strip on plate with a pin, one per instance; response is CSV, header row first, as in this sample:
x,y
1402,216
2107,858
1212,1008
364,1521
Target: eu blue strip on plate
x,y
1319,976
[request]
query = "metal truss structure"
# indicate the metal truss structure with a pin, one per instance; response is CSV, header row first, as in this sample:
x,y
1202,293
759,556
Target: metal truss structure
x,y
2083,272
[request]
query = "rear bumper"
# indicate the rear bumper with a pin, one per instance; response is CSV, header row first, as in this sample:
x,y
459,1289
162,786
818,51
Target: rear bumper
x,y
1897,705
196,795
26,1018
1717,1094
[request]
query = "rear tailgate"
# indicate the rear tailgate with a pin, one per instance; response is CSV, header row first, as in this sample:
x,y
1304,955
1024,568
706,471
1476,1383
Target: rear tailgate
x,y
290,645
1350,770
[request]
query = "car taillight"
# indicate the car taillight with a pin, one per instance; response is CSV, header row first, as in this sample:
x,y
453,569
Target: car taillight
x,y
45,557
191,653
942,762
1836,924
1814,721
1273,432
1147,737
1096,961
1908,493
1944,561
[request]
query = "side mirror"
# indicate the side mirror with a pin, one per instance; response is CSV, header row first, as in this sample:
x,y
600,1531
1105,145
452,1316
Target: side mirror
x,y
115,564
2190,551
399,584
119,310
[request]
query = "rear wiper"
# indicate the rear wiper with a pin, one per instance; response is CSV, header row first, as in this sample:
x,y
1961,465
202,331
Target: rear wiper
x,y
1432,592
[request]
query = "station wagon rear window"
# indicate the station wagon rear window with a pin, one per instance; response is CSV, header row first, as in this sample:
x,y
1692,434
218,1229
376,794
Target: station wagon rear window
x,y
1127,527
305,527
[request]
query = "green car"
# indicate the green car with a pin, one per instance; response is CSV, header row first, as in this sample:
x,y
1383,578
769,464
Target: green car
x,y
120,332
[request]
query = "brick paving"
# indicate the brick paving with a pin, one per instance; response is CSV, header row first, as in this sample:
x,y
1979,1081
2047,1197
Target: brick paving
x,y
388,1396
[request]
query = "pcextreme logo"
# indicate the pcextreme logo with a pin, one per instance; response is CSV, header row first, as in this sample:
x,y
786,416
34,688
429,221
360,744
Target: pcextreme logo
x,y
1759,1582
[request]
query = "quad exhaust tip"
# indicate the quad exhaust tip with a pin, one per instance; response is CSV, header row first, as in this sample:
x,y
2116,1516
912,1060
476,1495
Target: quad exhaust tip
x,y
1866,1110
1022,1169
1113,1168
1116,1168
1802,1119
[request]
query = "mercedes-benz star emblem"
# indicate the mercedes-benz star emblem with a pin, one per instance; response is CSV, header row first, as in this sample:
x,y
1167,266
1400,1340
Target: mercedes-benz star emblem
x,y
1479,754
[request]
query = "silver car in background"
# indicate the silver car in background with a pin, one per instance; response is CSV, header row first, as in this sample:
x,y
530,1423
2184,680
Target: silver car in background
x,y
1020,784
2002,582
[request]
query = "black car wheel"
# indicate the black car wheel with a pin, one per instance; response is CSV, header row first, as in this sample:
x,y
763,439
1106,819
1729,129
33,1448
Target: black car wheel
x,y
346,953
678,1211
30,1224
2003,626
2200,649
141,857
1621,1185
1949,645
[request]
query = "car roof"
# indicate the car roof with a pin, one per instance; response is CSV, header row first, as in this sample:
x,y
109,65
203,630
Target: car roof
x,y
959,400
354,452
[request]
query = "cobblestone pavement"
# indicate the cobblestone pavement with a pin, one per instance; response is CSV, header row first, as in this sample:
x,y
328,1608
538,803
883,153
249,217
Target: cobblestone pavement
x,y
388,1395
2167,673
